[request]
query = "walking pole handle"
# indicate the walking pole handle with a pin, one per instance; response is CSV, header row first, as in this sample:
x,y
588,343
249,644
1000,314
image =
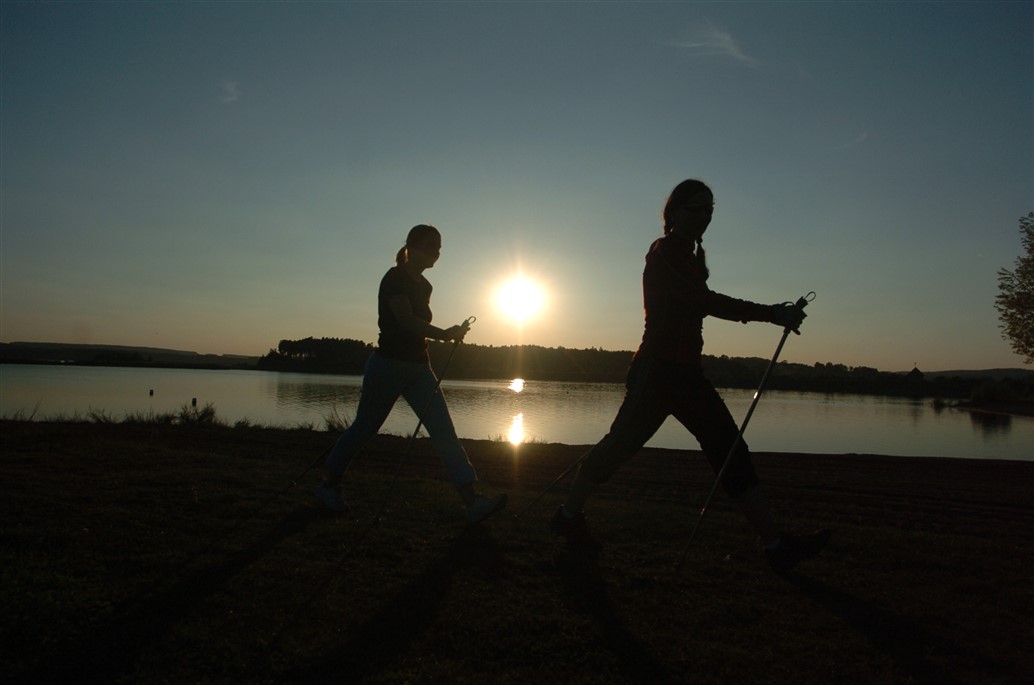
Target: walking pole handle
x,y
801,303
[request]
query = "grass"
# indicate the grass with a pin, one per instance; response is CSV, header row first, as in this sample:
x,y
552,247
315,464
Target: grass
x,y
185,553
187,414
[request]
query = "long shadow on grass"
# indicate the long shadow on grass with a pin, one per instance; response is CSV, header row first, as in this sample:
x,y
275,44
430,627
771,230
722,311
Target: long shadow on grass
x,y
903,640
112,648
386,636
584,584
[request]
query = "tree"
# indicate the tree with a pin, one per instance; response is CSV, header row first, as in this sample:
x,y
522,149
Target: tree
x,y
1015,300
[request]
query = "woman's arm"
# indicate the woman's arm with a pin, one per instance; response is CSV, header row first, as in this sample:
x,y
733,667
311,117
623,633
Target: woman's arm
x,y
735,309
403,312
724,307
684,283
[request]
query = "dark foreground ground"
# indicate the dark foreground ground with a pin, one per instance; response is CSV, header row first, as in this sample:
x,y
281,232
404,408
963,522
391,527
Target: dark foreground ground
x,y
184,554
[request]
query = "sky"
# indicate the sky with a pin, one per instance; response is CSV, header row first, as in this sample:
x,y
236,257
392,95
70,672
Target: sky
x,y
217,177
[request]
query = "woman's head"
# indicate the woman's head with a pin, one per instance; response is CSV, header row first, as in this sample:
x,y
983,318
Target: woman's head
x,y
690,203
688,212
422,238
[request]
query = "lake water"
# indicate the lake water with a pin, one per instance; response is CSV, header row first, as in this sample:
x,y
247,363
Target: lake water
x,y
571,413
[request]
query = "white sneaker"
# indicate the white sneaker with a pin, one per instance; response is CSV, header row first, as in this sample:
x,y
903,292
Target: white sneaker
x,y
482,507
331,497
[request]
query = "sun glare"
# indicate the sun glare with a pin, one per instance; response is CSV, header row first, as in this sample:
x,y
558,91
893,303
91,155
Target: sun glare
x,y
516,434
519,299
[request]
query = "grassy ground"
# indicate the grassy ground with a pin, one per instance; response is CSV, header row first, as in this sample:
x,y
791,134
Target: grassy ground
x,y
184,554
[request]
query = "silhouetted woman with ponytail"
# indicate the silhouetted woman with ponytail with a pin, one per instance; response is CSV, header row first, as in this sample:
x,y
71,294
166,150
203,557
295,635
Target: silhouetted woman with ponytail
x,y
400,366
666,379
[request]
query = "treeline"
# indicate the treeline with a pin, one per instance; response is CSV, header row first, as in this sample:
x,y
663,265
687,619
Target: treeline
x,y
532,362
318,355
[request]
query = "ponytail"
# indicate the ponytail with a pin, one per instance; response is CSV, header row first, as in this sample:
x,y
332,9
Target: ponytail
x,y
417,234
702,259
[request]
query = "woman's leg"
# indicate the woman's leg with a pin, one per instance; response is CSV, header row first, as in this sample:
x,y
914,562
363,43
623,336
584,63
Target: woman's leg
x,y
642,412
701,409
383,381
425,397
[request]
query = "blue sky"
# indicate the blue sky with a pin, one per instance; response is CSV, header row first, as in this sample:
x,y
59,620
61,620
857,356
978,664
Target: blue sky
x,y
220,176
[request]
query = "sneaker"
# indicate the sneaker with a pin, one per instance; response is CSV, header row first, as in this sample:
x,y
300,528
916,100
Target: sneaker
x,y
793,549
572,528
331,497
482,507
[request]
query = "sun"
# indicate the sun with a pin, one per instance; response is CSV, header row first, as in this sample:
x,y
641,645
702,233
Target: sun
x,y
519,299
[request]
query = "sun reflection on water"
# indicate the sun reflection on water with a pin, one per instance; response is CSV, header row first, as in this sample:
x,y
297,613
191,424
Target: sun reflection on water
x,y
516,434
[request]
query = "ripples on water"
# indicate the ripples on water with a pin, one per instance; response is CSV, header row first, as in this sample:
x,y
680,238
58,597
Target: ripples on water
x,y
518,411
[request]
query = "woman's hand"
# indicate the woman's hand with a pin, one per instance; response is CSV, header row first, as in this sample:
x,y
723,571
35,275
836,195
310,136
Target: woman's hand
x,y
788,316
456,333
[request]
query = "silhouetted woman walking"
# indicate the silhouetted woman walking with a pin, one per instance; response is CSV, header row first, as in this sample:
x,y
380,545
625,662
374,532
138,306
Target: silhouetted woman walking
x,y
400,366
666,379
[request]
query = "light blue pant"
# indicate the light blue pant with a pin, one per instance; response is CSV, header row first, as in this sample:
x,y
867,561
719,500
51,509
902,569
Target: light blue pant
x,y
383,382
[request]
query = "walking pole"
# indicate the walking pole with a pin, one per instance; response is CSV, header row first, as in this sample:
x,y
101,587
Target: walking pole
x,y
800,304
420,422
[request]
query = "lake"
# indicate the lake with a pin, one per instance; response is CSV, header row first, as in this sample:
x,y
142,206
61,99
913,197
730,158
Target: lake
x,y
540,411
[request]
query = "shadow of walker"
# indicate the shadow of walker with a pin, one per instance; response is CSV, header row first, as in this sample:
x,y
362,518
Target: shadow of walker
x,y
905,641
386,636
111,650
584,584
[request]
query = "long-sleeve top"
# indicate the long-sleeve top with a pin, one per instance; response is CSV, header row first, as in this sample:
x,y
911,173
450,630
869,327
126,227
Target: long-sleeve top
x,y
676,299
395,342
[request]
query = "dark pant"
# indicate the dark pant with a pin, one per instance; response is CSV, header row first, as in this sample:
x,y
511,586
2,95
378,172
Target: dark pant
x,y
655,390
385,380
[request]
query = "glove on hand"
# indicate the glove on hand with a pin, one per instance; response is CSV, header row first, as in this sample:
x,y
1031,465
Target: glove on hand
x,y
788,316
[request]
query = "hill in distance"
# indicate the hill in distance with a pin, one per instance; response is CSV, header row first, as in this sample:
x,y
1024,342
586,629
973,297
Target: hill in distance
x,y
79,353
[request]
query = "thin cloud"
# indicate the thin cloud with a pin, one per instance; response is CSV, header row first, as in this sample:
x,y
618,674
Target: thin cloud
x,y
231,92
707,39
857,140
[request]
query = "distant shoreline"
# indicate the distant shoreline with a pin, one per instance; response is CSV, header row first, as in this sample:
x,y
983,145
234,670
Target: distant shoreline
x,y
954,391
199,366
1021,407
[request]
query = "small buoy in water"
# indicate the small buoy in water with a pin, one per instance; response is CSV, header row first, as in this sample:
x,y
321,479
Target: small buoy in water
x,y
151,393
